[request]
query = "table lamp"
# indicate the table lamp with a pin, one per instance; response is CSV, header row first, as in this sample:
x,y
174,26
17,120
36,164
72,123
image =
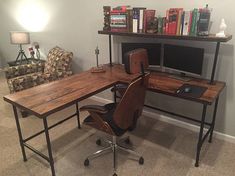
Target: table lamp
x,y
20,38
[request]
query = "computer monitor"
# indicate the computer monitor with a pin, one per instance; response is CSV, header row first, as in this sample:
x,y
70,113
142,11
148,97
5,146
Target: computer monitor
x,y
153,49
183,59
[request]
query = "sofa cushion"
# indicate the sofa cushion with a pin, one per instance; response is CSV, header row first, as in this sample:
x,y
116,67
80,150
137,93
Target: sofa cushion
x,y
58,60
15,71
30,80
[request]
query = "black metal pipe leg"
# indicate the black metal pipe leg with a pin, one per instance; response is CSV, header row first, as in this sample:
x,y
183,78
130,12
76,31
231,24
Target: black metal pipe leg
x,y
115,94
215,62
49,146
213,120
114,153
110,50
19,133
199,144
78,118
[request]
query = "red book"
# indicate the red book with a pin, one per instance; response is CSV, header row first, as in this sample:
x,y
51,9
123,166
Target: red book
x,y
120,9
119,29
173,20
148,16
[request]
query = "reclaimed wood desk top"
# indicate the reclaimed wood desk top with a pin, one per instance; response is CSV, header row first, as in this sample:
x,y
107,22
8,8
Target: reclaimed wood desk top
x,y
161,82
46,99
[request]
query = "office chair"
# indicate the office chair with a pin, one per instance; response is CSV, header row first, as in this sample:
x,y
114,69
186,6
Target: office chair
x,y
117,118
132,60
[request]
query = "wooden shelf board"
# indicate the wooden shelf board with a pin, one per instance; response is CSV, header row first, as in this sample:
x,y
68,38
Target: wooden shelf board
x,y
210,38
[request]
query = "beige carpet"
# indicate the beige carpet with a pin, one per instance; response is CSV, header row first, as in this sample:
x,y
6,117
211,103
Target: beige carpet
x,y
168,150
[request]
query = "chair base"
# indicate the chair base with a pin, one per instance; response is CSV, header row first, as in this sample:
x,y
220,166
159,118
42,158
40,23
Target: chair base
x,y
113,146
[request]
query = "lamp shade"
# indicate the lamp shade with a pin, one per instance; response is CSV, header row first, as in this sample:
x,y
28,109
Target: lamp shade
x,y
19,37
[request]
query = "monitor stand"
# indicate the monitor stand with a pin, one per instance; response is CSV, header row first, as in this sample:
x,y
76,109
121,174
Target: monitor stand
x,y
181,77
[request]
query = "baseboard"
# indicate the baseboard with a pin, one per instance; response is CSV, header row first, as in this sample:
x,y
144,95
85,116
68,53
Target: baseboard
x,y
172,121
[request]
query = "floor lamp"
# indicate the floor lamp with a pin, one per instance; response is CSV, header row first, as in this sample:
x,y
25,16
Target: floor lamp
x,y
20,38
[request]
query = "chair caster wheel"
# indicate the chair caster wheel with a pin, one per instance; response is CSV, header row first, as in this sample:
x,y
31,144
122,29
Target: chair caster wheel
x,y
114,174
86,162
98,142
127,141
141,160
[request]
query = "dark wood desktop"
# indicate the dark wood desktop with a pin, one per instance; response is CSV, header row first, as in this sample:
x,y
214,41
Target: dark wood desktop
x,y
162,82
46,99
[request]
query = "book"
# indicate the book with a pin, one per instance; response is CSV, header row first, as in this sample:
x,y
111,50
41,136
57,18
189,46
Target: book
x,y
203,22
179,22
160,25
106,11
190,22
182,23
166,27
135,20
186,23
195,17
120,9
172,23
152,25
148,17
129,20
163,25
140,20
118,20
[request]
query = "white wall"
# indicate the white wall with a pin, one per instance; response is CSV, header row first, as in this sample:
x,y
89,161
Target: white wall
x,y
73,25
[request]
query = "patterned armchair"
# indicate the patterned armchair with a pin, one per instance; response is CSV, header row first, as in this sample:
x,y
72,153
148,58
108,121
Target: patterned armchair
x,y
57,66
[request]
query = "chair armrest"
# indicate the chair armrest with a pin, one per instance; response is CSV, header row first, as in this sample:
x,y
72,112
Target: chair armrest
x,y
20,70
94,108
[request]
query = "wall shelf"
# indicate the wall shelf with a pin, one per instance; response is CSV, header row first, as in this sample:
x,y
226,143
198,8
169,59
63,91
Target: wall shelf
x,y
210,38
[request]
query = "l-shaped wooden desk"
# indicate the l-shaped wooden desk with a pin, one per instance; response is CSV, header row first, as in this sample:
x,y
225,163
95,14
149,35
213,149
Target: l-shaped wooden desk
x,y
47,99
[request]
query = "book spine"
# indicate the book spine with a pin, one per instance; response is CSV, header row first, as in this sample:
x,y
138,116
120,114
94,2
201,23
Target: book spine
x,y
194,22
148,17
203,22
190,22
160,25
186,23
172,26
166,29
129,20
179,20
141,20
119,29
164,25
118,20
135,20
106,11
182,23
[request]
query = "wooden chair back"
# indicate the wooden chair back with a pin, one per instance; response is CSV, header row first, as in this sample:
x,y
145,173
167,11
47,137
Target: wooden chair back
x,y
131,104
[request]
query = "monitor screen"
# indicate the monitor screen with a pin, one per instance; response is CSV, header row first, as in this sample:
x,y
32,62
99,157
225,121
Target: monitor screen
x,y
153,49
183,59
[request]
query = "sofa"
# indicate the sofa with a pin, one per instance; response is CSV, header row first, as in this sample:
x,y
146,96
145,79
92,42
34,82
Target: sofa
x,y
56,66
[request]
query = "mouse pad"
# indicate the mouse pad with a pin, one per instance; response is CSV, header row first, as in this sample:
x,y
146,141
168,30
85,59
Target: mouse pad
x,y
196,91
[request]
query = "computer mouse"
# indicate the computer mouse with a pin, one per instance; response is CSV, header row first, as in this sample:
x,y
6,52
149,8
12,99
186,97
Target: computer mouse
x,y
187,89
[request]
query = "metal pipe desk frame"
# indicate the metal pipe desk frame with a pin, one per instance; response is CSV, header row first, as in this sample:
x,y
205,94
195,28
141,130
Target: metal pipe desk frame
x,y
211,38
